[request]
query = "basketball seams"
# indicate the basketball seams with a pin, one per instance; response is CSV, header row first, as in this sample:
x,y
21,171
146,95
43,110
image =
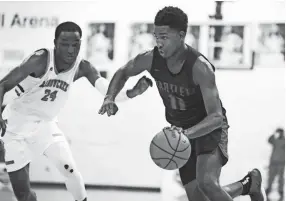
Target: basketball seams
x,y
168,152
170,145
167,159
168,140
177,145
183,149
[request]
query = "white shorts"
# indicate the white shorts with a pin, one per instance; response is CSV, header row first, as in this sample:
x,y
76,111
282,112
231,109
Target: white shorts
x,y
25,138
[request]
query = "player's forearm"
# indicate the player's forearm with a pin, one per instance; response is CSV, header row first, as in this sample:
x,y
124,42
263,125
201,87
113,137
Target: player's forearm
x,y
2,93
124,95
101,85
206,126
116,85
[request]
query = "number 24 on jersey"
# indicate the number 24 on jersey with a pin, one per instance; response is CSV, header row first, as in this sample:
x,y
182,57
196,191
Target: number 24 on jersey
x,y
49,95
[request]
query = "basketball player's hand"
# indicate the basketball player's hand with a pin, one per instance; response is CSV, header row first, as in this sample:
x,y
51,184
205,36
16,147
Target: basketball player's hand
x,y
3,126
178,129
109,107
141,86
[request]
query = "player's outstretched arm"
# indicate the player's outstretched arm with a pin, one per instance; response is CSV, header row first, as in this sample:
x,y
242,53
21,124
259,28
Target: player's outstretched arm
x,y
88,71
134,67
204,76
30,65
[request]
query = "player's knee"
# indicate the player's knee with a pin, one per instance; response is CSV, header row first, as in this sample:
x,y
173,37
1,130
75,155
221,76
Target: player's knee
x,y
70,172
24,194
191,189
67,169
208,185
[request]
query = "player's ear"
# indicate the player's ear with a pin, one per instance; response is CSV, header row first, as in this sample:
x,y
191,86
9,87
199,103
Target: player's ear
x,y
182,34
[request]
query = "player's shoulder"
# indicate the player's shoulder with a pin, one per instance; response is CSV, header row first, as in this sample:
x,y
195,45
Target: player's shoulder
x,y
36,62
203,70
39,56
85,65
146,54
203,64
85,68
144,57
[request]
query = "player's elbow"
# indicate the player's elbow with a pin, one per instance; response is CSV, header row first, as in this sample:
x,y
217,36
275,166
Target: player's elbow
x,y
3,87
218,118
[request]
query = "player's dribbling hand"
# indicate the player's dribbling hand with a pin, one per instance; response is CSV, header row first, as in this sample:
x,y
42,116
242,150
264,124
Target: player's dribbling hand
x,y
178,129
109,107
3,126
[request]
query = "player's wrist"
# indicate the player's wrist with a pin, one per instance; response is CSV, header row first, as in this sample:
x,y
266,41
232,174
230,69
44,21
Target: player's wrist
x,y
109,98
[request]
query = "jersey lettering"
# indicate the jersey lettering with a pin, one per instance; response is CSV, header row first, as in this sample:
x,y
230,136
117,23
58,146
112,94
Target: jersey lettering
x,y
59,84
175,89
175,94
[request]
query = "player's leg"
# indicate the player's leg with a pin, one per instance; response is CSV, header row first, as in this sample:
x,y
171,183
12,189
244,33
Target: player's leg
x,y
194,192
250,184
200,175
281,181
208,172
60,155
51,142
17,161
189,175
235,189
272,173
207,175
20,181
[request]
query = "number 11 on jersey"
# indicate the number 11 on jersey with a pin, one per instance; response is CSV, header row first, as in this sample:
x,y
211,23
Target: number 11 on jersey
x,y
177,103
49,95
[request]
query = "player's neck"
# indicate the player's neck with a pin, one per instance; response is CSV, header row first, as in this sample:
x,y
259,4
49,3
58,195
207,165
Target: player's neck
x,y
180,54
61,65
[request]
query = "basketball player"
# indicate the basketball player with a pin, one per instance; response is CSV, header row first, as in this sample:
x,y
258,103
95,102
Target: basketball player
x,y
43,82
186,83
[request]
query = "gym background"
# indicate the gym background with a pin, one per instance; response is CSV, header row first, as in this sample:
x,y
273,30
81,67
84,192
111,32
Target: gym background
x,y
244,39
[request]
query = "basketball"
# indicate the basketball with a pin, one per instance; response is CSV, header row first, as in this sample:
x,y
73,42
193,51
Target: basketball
x,y
170,149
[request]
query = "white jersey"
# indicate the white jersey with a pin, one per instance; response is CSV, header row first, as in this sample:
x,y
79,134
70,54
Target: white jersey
x,y
43,98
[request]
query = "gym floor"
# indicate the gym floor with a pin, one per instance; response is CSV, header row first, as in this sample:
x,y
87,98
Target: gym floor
x,y
54,194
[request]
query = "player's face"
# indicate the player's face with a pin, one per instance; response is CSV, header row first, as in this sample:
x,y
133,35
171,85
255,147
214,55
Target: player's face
x,y
68,46
168,40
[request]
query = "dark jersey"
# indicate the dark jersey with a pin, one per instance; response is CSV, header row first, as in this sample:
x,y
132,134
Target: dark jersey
x,y
184,105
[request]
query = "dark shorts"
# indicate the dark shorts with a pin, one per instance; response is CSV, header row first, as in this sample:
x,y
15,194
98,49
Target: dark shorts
x,y
204,145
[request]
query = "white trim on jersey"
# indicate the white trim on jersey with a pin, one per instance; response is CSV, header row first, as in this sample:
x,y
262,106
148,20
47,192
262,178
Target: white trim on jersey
x,y
101,84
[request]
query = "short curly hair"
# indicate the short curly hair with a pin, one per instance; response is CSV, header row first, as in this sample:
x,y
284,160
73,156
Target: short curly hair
x,y
173,17
67,26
